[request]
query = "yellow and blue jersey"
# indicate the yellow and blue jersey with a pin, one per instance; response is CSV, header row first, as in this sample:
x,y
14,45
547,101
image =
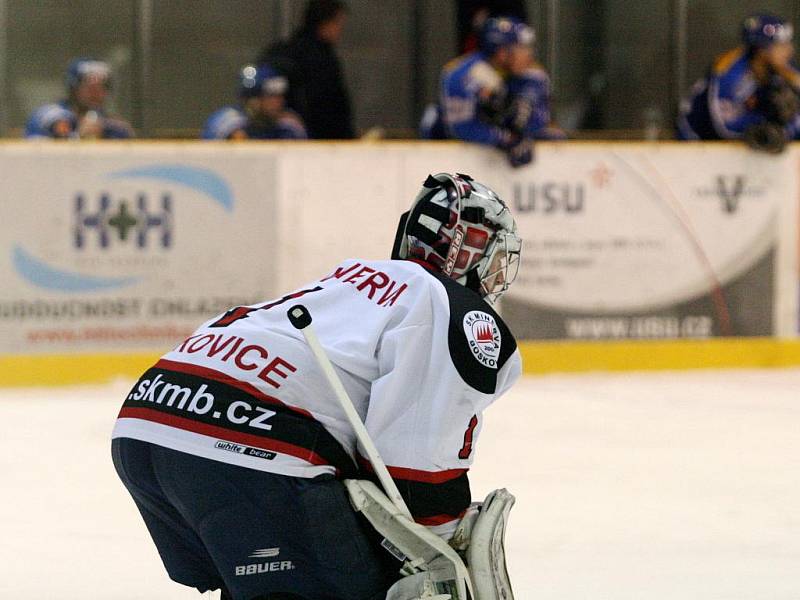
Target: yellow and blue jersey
x,y
725,103
468,82
41,121
223,123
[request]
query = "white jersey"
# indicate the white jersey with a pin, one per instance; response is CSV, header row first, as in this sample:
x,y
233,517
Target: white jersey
x,y
420,356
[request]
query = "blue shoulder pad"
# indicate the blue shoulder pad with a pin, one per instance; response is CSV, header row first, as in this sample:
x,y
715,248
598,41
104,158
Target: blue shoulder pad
x,y
41,121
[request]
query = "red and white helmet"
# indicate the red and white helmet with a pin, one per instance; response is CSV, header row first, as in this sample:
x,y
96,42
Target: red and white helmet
x,y
465,230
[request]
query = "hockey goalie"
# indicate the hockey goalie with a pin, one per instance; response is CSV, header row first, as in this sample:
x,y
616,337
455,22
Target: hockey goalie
x,y
252,479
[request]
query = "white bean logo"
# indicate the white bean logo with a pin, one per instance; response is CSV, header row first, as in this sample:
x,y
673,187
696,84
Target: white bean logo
x,y
483,337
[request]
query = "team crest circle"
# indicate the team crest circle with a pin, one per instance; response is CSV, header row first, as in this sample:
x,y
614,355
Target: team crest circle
x,y
483,337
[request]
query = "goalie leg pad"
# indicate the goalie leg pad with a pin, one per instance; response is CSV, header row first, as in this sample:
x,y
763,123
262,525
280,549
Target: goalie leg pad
x,y
443,573
486,551
415,587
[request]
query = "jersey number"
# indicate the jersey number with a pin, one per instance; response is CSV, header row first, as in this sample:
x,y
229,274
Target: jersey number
x,y
466,449
241,312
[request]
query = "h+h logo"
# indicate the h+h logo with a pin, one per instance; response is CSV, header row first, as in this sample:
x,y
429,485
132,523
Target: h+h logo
x,y
118,220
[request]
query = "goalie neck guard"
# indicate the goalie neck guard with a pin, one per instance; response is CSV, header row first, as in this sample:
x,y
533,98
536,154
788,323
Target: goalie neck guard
x,y
464,230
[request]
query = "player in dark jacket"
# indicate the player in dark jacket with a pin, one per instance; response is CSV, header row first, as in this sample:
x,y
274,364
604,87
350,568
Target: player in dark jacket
x,y
750,92
317,89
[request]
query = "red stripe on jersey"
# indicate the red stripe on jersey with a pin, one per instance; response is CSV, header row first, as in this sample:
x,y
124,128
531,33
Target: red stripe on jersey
x,y
149,414
439,519
214,375
415,474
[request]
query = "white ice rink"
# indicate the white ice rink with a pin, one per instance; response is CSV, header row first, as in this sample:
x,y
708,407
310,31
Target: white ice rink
x,y
672,486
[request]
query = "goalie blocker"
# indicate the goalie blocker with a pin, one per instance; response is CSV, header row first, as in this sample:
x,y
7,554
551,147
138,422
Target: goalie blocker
x,y
471,567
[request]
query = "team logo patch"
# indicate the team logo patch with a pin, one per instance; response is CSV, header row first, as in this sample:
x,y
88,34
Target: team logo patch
x,y
483,337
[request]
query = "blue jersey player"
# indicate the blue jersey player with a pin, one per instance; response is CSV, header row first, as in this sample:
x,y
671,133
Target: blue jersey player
x,y
750,92
497,95
82,114
261,113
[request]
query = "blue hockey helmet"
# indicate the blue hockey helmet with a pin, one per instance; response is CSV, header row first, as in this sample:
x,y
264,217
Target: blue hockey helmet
x,y
763,30
499,32
87,69
261,80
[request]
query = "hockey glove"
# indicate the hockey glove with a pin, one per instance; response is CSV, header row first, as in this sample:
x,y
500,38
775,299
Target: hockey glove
x,y
778,102
518,114
90,126
519,151
492,108
765,137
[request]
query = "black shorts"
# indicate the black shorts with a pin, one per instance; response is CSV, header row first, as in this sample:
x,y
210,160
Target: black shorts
x,y
251,533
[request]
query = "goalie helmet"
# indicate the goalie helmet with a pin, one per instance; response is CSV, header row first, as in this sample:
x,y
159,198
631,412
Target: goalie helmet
x,y
463,229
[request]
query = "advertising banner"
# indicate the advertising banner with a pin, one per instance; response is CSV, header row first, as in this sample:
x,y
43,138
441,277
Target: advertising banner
x,y
126,247
123,247
648,242
339,201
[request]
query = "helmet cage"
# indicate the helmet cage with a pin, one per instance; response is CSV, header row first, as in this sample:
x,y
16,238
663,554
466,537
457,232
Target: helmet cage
x,y
500,267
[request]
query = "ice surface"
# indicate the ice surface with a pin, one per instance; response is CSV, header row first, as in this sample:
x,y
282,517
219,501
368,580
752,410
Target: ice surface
x,y
647,486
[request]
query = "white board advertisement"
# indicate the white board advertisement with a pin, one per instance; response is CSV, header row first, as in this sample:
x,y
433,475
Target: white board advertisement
x,y
646,241
119,247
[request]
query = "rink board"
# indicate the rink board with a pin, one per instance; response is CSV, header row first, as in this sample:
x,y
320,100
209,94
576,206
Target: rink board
x,y
634,257
537,358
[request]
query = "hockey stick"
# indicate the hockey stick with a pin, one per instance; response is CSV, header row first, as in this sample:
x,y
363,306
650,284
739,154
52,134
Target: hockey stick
x,y
301,319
